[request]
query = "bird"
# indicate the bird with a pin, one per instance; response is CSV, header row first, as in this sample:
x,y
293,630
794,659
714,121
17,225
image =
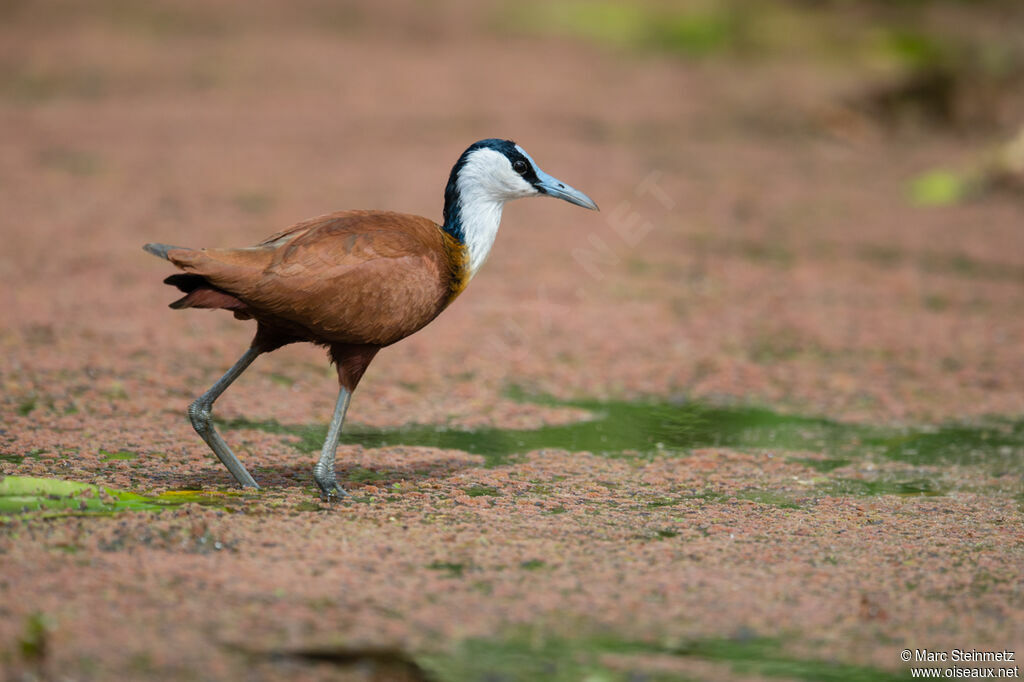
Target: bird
x,y
354,281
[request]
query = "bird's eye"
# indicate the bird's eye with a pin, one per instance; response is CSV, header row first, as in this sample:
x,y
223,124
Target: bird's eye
x,y
519,166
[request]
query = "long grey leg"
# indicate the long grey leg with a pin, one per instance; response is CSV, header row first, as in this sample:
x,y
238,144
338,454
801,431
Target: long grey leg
x,y
200,413
323,472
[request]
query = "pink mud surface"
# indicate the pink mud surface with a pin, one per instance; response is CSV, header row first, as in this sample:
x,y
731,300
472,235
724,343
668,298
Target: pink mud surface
x,y
745,251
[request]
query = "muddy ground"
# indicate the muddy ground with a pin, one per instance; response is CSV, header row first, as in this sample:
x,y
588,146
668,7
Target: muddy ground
x,y
761,243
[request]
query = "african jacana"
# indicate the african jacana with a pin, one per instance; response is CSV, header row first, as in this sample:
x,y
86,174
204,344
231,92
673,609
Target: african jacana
x,y
355,281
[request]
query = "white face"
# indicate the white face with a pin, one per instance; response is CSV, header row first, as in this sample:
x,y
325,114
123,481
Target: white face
x,y
485,181
488,174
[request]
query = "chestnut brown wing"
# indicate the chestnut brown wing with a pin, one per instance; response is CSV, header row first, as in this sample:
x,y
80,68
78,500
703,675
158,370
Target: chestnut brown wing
x,y
352,277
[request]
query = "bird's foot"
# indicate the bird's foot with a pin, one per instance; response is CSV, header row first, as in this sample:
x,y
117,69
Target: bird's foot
x,y
330,491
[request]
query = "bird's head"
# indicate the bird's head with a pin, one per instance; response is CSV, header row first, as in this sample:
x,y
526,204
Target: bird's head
x,y
500,170
488,174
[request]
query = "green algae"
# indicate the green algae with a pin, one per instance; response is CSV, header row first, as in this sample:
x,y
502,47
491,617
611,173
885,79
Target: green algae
x,y
633,26
887,485
452,569
527,655
532,656
844,454
644,428
362,475
49,497
938,188
119,455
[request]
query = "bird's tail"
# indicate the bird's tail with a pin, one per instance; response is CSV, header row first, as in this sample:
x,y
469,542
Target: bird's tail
x,y
160,250
199,292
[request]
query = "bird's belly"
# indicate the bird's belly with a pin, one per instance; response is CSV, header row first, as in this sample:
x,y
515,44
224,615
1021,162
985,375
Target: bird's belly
x,y
386,325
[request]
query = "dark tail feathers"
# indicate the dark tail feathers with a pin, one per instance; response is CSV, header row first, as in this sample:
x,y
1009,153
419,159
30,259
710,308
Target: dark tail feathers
x,y
187,282
199,293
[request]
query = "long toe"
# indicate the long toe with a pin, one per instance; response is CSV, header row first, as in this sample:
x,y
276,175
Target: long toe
x,y
329,488
334,493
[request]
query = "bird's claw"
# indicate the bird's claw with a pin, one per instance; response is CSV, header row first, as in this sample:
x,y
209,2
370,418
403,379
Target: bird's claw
x,y
330,491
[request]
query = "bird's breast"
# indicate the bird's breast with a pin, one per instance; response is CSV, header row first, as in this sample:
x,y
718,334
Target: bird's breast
x,y
457,255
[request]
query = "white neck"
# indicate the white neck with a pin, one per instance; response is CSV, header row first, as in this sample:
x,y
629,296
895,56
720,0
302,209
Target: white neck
x,y
480,203
481,217
485,182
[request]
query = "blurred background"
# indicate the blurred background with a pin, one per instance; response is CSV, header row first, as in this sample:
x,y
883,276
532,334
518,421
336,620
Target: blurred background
x,y
795,194
812,206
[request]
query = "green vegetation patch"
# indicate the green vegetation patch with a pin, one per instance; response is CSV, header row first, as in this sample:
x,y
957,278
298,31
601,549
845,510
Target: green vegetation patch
x,y
119,455
823,465
26,406
687,31
454,570
887,485
938,188
528,656
362,475
49,497
646,428
770,498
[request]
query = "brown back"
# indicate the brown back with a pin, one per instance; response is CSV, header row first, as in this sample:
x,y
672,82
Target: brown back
x,y
353,277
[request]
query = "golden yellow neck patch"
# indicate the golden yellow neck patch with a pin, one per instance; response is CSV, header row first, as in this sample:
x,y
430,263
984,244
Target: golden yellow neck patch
x,y
458,262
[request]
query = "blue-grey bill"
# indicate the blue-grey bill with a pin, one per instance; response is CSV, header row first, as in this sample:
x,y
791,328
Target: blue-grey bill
x,y
558,189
